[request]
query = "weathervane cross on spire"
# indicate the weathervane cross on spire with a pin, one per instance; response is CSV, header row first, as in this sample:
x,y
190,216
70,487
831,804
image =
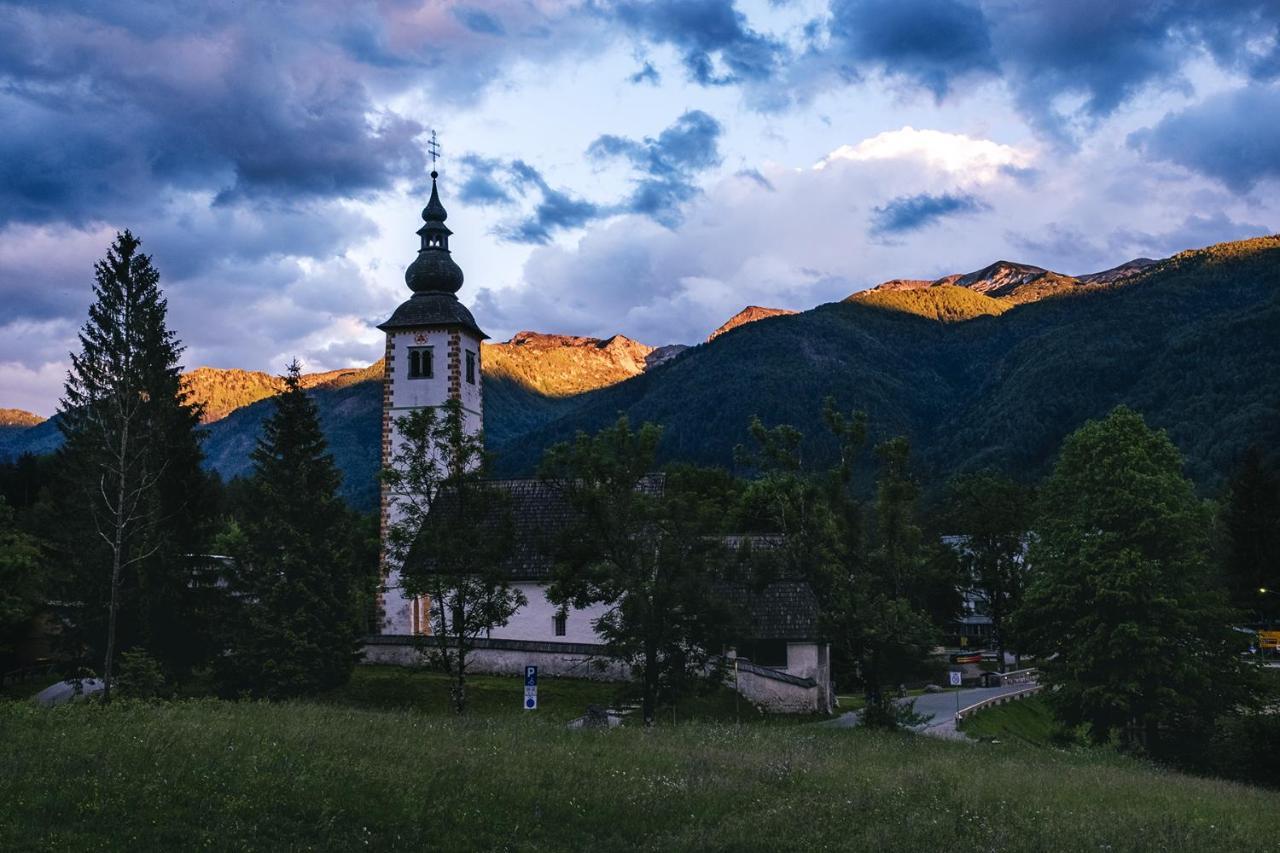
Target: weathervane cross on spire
x,y
433,148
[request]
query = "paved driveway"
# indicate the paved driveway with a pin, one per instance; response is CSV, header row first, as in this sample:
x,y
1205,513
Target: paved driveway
x,y
940,708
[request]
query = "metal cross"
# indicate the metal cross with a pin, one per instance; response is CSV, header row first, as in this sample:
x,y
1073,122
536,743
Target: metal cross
x,y
433,147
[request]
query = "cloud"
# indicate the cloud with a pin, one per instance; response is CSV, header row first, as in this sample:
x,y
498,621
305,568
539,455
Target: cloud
x,y
660,285
911,213
647,74
961,157
666,167
717,46
665,170
928,42
479,21
1232,137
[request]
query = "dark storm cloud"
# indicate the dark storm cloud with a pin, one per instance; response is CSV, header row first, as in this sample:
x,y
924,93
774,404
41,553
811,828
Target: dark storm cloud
x,y
665,177
911,213
666,167
929,42
555,209
1066,64
707,33
646,74
480,184
479,21
1106,52
137,114
1233,137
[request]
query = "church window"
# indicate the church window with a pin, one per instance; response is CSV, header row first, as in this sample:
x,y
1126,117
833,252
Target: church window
x,y
420,366
560,623
471,367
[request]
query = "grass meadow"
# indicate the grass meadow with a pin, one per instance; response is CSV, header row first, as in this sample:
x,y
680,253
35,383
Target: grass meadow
x,y
367,772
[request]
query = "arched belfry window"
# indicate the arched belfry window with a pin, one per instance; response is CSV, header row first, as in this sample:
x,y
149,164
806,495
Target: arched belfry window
x,y
420,363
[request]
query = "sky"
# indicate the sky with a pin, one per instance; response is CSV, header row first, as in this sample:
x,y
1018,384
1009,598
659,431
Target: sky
x,y
637,167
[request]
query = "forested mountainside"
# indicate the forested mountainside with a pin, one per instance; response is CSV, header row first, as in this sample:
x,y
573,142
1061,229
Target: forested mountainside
x,y
974,379
1193,343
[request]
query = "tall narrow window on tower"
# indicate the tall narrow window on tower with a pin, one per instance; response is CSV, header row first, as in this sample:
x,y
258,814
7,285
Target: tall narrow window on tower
x,y
471,367
420,366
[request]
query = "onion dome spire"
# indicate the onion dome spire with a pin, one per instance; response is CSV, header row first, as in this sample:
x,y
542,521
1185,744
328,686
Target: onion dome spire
x,y
434,270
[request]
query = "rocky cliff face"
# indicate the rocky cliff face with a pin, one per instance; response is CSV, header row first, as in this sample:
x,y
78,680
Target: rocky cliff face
x,y
19,418
750,314
562,365
1015,283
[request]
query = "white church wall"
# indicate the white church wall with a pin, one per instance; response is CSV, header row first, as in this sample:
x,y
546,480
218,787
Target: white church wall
x,y
536,620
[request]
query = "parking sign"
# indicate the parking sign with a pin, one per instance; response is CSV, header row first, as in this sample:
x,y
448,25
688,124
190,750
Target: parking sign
x,y
530,688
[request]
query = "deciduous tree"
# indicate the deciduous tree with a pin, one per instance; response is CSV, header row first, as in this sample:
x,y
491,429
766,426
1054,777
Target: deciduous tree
x,y
1122,610
451,536
647,548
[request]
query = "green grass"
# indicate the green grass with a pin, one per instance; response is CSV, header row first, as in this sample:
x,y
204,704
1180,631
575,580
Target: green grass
x,y
1028,721
224,775
420,691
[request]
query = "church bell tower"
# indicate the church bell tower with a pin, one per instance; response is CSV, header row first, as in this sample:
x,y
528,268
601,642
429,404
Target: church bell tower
x,y
433,355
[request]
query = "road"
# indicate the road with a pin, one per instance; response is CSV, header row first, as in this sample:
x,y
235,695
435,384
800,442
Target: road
x,y
940,708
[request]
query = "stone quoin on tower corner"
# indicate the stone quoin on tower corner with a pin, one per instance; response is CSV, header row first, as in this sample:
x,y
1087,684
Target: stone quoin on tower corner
x,y
432,356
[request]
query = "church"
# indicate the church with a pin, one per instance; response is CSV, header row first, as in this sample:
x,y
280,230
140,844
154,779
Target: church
x,y
433,354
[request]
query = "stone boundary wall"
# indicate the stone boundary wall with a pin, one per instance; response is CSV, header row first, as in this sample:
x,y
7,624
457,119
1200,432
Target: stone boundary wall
x,y
771,689
779,692
506,657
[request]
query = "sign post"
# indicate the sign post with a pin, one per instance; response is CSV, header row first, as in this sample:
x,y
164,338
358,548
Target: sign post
x,y
957,680
530,688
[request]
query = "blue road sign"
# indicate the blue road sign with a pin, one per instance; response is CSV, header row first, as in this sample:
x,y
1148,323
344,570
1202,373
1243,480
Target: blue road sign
x,y
530,688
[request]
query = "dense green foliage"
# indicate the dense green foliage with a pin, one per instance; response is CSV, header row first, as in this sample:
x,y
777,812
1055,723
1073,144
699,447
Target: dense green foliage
x,y
945,303
298,588
645,550
450,534
23,582
1130,633
1249,533
130,507
992,514
868,573
1190,344
285,776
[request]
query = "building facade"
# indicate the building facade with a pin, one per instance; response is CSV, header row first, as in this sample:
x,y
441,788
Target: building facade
x,y
433,353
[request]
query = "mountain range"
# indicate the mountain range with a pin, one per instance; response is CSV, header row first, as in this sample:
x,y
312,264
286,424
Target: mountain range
x,y
990,368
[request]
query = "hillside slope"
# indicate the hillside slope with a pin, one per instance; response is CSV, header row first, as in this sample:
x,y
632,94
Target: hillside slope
x,y
1191,343
945,303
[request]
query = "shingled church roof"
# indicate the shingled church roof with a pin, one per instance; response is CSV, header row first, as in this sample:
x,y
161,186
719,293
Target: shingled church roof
x,y
784,609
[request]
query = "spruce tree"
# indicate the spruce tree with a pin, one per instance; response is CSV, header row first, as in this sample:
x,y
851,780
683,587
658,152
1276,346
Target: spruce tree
x,y
296,578
129,508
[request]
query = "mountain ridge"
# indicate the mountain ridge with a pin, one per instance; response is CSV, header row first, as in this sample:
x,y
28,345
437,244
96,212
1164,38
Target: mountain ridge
x,y
973,379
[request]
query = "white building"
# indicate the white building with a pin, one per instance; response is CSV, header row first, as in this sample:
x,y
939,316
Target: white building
x,y
433,355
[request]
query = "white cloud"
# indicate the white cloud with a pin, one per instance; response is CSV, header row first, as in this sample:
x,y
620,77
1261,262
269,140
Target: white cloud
x,y
967,159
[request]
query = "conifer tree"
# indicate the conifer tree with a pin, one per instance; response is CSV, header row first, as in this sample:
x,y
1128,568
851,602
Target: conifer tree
x,y
299,585
129,510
